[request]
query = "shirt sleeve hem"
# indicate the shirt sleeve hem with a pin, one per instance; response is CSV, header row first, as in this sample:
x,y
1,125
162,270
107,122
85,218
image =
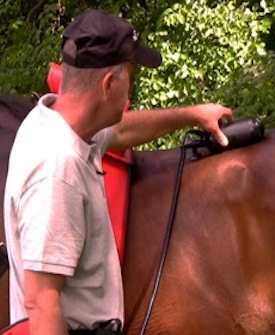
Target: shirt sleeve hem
x,y
49,268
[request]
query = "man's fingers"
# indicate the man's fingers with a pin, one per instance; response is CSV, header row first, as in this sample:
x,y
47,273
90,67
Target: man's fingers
x,y
221,138
227,114
219,135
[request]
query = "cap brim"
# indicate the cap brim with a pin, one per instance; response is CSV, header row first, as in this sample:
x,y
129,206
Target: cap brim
x,y
147,57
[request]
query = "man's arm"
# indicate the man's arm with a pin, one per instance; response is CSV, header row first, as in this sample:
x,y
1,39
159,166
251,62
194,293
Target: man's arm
x,y
42,303
141,127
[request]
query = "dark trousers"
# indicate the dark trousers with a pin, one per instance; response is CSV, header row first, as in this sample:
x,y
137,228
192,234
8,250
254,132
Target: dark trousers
x,y
98,331
104,328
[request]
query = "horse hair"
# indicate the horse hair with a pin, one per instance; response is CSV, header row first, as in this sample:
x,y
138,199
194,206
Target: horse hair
x,y
18,105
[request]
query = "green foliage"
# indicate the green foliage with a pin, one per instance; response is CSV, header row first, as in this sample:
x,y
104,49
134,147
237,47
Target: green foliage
x,y
29,46
202,48
31,38
252,93
212,51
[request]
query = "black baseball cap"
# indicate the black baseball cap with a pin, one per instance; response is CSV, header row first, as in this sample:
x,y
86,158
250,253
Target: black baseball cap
x,y
101,39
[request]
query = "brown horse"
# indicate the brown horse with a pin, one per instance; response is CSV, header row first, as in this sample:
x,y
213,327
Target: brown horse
x,y
218,276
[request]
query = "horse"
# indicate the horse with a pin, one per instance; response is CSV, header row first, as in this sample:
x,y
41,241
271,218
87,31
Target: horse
x,y
218,275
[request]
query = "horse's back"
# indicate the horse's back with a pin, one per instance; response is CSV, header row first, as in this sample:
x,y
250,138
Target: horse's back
x,y
219,274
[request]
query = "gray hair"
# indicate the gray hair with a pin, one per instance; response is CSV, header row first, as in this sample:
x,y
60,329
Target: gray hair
x,y
79,80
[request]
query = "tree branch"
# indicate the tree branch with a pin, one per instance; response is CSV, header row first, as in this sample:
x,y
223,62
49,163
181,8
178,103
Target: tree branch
x,y
143,4
34,9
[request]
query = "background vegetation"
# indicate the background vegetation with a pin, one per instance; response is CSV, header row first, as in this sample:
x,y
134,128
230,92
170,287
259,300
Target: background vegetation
x,y
218,51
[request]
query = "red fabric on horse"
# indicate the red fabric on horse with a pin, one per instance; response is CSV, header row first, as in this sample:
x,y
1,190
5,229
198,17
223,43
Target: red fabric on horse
x,y
19,328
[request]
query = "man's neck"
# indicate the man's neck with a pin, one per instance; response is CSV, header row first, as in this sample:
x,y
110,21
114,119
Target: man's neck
x,y
80,114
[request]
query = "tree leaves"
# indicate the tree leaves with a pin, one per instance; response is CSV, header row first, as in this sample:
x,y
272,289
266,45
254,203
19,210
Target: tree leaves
x,y
212,50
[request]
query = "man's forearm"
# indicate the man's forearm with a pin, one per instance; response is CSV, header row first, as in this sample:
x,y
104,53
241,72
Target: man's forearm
x,y
42,303
143,126
47,321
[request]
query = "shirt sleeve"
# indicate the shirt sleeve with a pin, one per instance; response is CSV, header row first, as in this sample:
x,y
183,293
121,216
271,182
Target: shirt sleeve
x,y
51,227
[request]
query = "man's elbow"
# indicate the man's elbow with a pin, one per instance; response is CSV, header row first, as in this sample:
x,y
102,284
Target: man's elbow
x,y
41,302
30,303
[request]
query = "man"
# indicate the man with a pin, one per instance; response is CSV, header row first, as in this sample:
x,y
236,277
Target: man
x,y
65,273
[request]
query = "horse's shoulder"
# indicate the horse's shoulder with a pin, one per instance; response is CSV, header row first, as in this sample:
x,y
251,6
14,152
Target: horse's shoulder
x,y
153,161
240,172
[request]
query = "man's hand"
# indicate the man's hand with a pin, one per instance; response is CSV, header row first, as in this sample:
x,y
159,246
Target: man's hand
x,y
210,117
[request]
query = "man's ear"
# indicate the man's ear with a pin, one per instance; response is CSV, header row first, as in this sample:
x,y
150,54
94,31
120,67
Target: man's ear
x,y
107,84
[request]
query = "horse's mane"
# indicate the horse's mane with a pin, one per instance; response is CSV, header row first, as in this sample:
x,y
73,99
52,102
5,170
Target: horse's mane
x,y
18,105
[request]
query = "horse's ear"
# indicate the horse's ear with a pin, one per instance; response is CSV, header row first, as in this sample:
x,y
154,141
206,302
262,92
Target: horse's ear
x,y
35,97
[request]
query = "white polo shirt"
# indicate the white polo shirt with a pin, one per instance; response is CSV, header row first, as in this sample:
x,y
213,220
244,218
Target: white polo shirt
x,y
57,220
